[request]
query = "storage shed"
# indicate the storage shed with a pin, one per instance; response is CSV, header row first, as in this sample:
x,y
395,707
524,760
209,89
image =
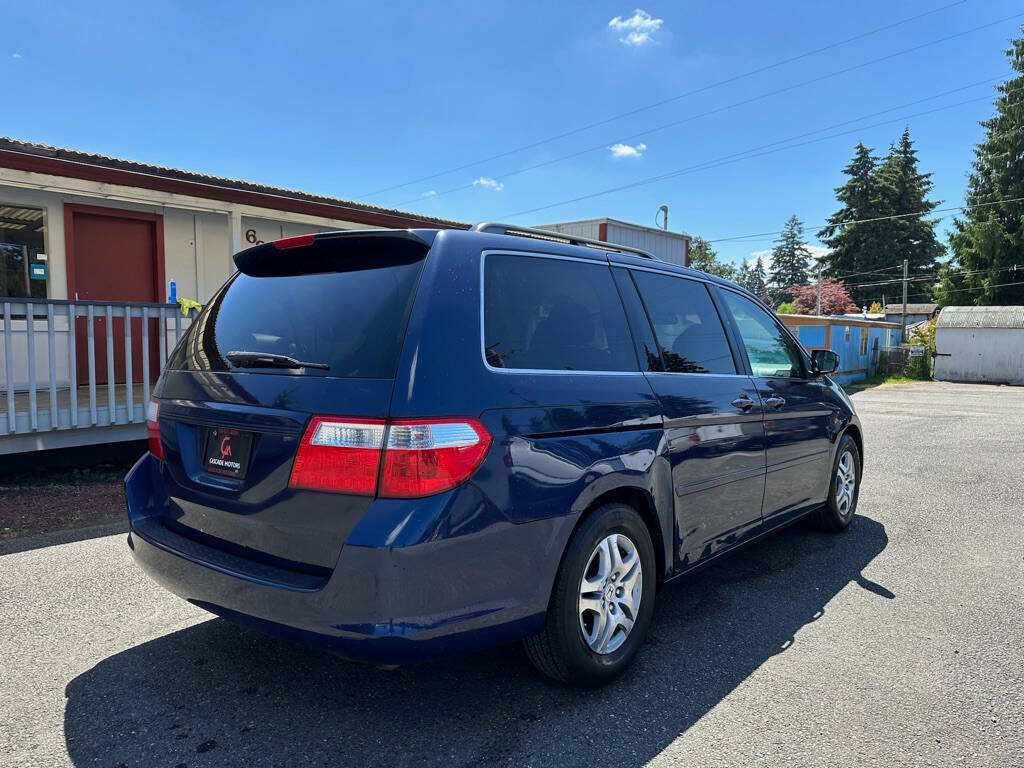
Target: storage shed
x,y
673,247
980,344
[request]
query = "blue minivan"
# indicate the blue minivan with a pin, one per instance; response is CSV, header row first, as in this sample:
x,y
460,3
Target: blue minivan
x,y
401,444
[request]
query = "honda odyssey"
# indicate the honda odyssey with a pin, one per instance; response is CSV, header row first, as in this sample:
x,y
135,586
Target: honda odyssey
x,y
401,444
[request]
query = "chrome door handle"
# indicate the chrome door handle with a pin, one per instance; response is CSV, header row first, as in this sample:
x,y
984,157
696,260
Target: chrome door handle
x,y
743,402
774,401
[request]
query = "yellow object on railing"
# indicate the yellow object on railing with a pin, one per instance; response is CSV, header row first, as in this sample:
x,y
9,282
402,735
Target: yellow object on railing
x,y
187,305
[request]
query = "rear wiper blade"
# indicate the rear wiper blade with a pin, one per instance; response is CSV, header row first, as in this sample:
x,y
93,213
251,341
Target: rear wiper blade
x,y
243,359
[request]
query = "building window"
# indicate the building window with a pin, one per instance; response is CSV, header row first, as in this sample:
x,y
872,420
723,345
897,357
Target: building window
x,y
24,269
863,341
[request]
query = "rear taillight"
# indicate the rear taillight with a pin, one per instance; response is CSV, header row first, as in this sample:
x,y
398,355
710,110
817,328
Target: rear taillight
x,y
153,428
427,457
340,455
404,459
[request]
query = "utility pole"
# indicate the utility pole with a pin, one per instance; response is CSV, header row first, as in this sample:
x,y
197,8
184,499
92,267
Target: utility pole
x,y
817,305
903,333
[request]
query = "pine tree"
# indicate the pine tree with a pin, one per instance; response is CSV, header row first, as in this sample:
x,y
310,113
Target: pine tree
x,y
790,258
990,236
756,280
909,237
864,246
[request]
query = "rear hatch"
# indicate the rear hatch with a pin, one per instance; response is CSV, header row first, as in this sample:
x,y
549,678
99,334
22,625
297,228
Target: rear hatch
x,y
307,326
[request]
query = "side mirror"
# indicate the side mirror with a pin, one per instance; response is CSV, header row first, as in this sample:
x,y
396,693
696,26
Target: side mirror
x,y
824,361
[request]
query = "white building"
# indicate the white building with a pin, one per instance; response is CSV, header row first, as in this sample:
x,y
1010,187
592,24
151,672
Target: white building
x,y
88,245
673,247
982,344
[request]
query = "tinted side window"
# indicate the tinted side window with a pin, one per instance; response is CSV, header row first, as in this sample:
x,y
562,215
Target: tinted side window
x,y
551,314
770,350
686,324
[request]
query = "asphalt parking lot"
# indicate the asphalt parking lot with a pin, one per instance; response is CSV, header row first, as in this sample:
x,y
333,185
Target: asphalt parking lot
x,y
899,642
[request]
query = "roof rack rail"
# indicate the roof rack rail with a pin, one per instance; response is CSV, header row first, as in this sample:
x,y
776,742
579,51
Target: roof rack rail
x,y
558,237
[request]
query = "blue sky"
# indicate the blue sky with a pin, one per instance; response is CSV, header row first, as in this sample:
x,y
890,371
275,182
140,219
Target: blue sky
x,y
349,98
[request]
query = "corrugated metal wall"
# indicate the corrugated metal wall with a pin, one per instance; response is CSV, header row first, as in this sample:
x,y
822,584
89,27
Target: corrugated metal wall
x,y
667,247
670,247
988,355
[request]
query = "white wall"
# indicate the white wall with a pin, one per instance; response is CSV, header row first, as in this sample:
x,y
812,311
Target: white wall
x,y
988,355
197,232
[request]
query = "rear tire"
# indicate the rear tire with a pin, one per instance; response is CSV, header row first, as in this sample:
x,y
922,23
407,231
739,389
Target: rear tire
x,y
602,601
843,488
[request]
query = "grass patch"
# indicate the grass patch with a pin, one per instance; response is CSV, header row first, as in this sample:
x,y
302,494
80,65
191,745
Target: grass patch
x,y
878,380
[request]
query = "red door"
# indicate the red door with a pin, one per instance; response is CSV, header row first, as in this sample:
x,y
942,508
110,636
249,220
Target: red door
x,y
114,256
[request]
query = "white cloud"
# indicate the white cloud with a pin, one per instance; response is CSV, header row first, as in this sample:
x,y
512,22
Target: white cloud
x,y
625,150
637,29
15,55
489,183
430,193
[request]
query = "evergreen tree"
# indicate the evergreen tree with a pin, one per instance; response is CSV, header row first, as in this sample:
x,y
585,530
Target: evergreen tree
x,y
757,279
704,258
866,195
990,237
909,237
790,258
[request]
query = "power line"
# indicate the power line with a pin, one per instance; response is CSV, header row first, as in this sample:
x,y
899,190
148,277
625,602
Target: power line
x,y
974,288
641,134
702,89
886,218
727,159
920,278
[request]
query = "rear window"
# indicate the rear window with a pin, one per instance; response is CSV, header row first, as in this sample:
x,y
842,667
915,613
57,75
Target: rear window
x,y
351,321
686,324
553,314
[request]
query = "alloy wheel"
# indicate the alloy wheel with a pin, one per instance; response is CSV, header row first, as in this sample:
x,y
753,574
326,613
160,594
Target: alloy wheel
x,y
846,483
610,593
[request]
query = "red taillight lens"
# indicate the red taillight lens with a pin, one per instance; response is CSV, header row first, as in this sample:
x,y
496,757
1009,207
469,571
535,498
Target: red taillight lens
x,y
339,455
418,458
428,456
153,428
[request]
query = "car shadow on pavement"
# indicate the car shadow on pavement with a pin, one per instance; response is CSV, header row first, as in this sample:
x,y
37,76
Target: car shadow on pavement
x,y
217,694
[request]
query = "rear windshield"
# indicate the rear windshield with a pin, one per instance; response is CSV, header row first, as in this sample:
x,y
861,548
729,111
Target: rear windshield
x,y
353,322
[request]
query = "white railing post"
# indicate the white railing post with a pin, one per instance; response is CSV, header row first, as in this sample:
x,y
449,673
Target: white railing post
x,y
145,358
111,400
72,366
9,368
91,337
129,394
30,328
52,360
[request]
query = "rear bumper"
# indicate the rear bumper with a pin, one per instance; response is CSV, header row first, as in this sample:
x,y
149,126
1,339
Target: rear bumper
x,y
382,603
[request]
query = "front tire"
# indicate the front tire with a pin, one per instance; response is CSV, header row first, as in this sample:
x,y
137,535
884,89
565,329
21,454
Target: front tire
x,y
843,489
602,601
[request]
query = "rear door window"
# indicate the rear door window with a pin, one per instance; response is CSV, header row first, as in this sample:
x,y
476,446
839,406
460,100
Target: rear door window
x,y
351,321
686,324
553,314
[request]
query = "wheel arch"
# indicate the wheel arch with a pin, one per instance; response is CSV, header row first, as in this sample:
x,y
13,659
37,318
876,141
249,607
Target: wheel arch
x,y
854,431
641,500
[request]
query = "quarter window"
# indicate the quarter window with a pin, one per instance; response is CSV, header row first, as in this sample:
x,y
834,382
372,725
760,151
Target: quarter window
x,y
554,314
686,324
772,353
